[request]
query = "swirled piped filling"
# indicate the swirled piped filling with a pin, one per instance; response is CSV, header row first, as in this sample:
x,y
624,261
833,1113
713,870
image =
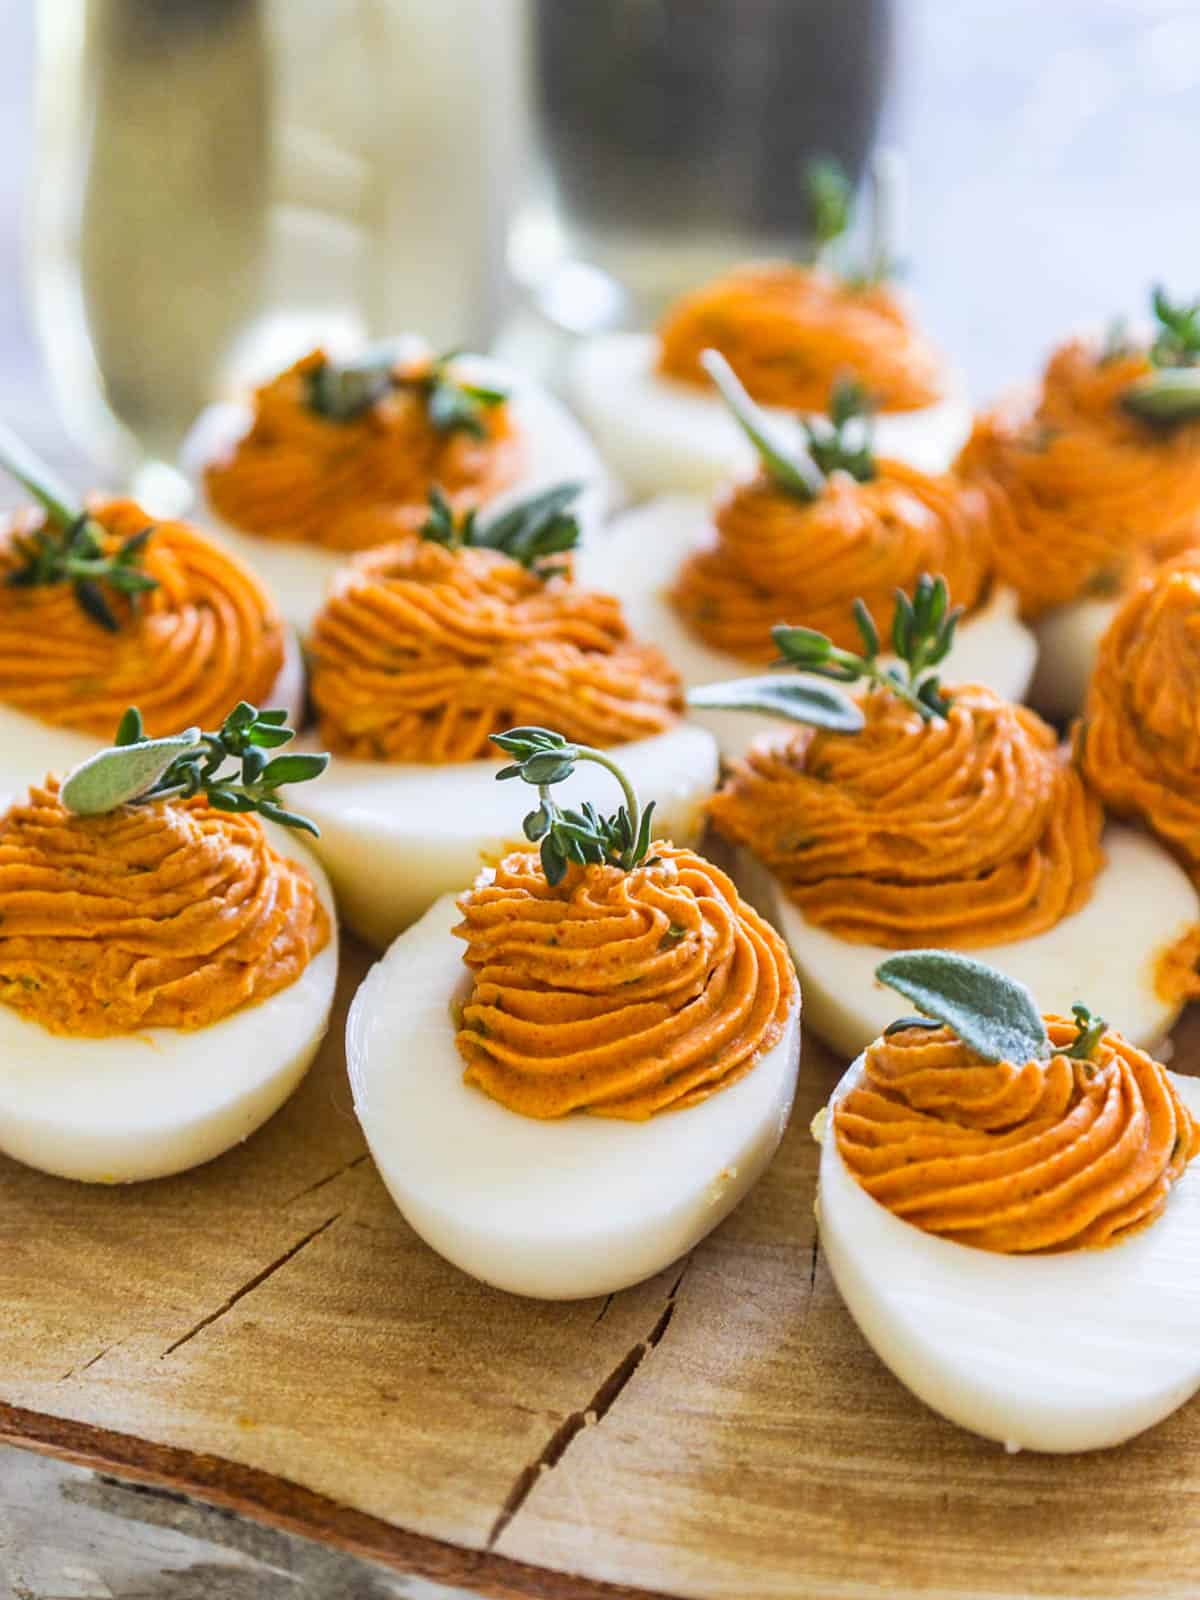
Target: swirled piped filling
x,y
421,653
186,651
1082,494
789,332
618,993
967,830
777,557
350,484
1015,1157
170,915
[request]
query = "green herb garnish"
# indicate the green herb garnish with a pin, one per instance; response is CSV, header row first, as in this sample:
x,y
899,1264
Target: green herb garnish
x,y
832,216
830,204
994,1015
922,636
840,444
1171,394
844,442
1091,1029
1177,337
531,531
69,546
341,391
583,836
793,470
137,770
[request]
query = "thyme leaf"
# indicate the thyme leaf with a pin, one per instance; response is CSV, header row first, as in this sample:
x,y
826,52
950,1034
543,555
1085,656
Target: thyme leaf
x,y
1091,1029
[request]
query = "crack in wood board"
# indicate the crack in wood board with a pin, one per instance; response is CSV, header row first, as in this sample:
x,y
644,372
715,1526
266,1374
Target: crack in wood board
x,y
328,1178
572,1425
280,1503
253,1283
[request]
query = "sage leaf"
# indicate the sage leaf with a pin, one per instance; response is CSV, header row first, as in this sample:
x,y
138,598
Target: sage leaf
x,y
1168,396
794,699
793,470
114,777
994,1015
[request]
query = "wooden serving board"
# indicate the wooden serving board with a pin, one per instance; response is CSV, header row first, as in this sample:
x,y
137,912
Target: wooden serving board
x,y
268,1335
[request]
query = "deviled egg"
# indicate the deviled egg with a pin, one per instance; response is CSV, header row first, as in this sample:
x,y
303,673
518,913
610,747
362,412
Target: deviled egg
x,y
101,607
1142,743
427,647
167,956
333,457
947,816
1009,1212
1089,484
789,331
814,529
574,1072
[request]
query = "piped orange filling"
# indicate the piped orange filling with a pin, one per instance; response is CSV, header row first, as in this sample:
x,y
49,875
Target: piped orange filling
x,y
619,993
421,652
168,915
350,485
1081,494
779,559
967,831
208,636
1015,1157
789,332
1142,744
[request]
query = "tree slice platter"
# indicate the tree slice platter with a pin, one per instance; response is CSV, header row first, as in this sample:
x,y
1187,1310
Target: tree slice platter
x,y
267,1335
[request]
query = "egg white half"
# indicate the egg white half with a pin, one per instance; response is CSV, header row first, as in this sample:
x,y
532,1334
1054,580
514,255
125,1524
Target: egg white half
x,y
1067,641
29,746
396,835
559,1210
663,436
1075,1351
1104,955
149,1104
298,574
639,559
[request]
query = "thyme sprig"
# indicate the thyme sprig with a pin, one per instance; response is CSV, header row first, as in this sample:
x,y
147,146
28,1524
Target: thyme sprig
x,y
531,531
832,215
137,771
342,391
844,442
922,635
566,834
1177,337
1091,1029
69,546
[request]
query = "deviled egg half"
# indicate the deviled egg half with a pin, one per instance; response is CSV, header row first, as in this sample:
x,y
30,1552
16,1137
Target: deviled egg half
x,y
816,527
1009,1210
917,814
427,647
168,952
334,457
571,1074
102,607
1090,484
789,331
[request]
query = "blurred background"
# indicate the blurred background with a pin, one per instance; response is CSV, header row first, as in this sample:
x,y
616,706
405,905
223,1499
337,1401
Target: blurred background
x,y
193,191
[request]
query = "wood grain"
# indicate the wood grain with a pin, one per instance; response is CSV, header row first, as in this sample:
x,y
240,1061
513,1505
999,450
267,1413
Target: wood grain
x,y
267,1334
